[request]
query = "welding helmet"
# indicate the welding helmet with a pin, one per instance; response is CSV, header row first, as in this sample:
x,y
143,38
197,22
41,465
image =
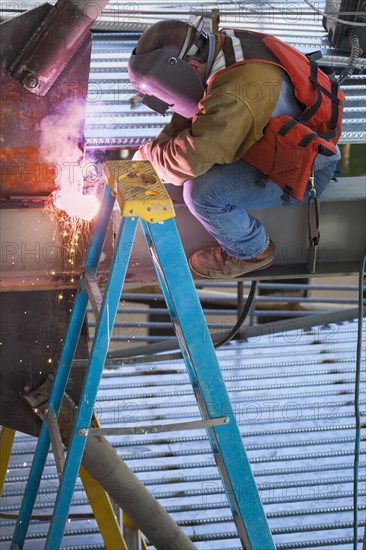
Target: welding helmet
x,y
160,73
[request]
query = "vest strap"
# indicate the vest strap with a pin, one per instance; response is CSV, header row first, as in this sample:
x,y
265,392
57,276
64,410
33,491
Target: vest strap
x,y
329,135
335,106
228,51
261,181
314,56
288,126
307,139
309,113
285,197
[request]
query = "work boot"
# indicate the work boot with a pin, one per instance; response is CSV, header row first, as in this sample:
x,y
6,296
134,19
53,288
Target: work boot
x,y
214,262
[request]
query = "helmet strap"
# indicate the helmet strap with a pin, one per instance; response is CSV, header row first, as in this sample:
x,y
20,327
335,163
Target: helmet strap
x,y
211,54
186,42
196,25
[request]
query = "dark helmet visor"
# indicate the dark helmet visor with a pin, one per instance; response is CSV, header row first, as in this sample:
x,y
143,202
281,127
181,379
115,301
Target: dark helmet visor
x,y
166,81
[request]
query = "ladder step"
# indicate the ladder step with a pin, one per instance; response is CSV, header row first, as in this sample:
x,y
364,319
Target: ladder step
x,y
93,290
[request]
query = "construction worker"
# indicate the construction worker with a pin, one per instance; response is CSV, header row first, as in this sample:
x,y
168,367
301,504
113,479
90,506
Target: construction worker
x,y
254,120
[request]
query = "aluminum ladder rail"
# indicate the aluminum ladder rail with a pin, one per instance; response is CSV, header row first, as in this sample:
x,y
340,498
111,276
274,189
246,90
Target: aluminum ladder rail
x,y
143,199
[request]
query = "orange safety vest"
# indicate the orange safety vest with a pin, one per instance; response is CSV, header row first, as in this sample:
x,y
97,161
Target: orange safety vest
x,y
289,146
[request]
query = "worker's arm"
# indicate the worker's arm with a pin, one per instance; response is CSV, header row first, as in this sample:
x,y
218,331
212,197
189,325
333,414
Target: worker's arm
x,y
177,124
229,122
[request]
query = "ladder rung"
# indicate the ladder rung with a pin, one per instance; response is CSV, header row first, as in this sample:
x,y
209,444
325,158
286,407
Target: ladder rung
x,y
95,296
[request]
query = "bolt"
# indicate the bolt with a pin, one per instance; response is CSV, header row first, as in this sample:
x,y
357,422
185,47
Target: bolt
x,y
30,81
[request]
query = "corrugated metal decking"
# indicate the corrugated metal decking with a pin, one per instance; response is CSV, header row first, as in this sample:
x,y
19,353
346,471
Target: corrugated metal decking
x,y
293,398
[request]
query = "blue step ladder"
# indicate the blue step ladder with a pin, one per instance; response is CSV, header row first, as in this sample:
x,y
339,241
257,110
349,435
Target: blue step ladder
x,y
143,199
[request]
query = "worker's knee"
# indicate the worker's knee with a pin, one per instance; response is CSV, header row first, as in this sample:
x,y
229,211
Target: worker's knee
x,y
205,190
194,195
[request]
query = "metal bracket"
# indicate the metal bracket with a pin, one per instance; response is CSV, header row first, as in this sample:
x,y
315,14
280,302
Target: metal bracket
x,y
56,440
95,296
312,257
38,398
313,226
154,429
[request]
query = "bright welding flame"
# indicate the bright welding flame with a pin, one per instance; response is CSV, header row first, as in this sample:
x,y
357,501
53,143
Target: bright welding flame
x,y
76,182
76,204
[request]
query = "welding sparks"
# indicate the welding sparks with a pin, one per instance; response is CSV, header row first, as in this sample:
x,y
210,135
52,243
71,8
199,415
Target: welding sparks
x,y
72,231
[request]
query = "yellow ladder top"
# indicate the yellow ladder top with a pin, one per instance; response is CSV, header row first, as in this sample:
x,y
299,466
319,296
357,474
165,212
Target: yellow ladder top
x,y
140,192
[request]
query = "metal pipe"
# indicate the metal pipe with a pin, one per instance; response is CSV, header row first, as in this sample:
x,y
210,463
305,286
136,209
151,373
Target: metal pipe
x,y
238,299
103,463
279,286
307,321
226,312
38,65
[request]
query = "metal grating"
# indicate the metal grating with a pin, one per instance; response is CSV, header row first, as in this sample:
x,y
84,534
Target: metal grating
x,y
293,398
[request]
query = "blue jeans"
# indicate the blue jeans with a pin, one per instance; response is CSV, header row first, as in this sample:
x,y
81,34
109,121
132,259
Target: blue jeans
x,y
220,197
